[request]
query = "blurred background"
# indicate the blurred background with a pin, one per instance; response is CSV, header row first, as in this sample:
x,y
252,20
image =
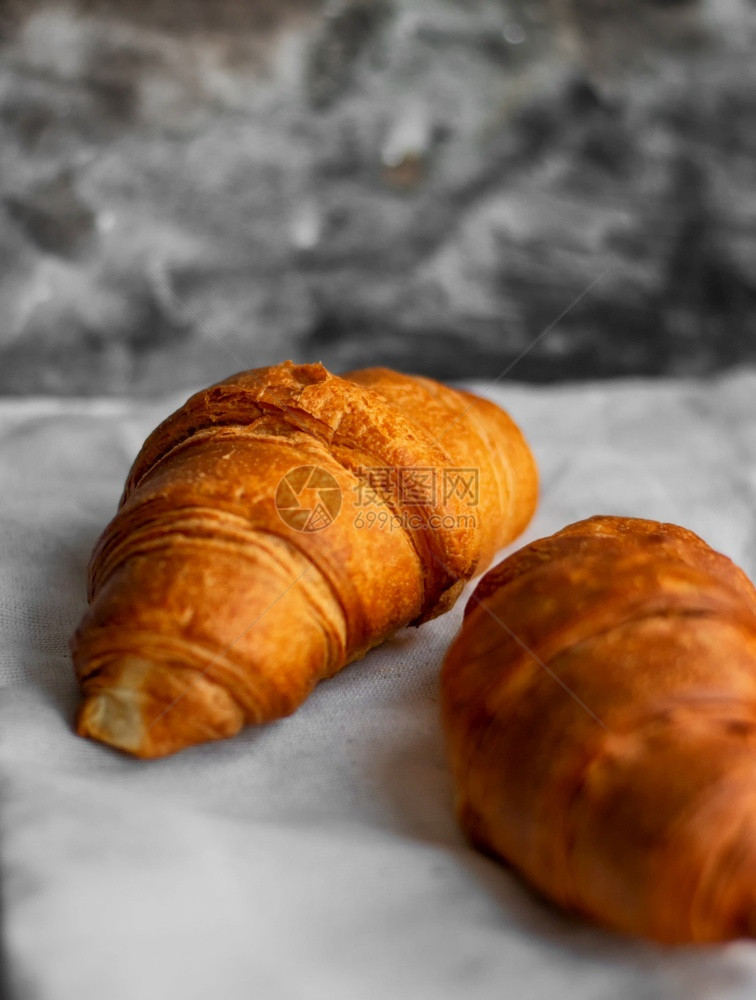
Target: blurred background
x,y
192,187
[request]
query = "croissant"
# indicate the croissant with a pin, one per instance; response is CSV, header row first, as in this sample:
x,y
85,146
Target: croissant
x,y
599,709
273,529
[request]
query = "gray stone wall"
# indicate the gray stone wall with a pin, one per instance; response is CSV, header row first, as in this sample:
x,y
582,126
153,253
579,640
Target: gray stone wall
x,y
191,188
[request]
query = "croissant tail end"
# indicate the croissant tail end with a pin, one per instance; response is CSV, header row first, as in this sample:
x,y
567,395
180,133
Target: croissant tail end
x,y
113,717
149,710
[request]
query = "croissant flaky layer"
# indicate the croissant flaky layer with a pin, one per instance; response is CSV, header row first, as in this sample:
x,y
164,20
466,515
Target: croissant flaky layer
x,y
273,529
599,707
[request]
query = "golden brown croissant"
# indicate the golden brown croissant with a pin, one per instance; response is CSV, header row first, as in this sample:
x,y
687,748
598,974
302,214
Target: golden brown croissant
x,y
274,528
599,707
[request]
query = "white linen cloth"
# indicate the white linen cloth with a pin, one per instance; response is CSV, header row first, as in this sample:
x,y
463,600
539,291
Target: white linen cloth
x,y
317,857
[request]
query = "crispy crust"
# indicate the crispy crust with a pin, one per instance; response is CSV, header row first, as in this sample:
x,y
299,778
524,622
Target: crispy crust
x,y
599,706
208,610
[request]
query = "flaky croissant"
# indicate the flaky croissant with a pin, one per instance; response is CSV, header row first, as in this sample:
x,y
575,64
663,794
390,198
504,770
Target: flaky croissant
x,y
599,707
273,529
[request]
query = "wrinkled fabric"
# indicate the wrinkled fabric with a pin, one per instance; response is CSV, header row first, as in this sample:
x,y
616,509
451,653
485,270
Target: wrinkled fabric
x,y
317,857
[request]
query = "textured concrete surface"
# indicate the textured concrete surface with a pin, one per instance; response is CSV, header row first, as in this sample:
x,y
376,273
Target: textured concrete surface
x,y
190,188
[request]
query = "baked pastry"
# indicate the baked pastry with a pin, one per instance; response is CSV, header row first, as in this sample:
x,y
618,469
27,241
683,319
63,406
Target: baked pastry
x,y
274,528
599,706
